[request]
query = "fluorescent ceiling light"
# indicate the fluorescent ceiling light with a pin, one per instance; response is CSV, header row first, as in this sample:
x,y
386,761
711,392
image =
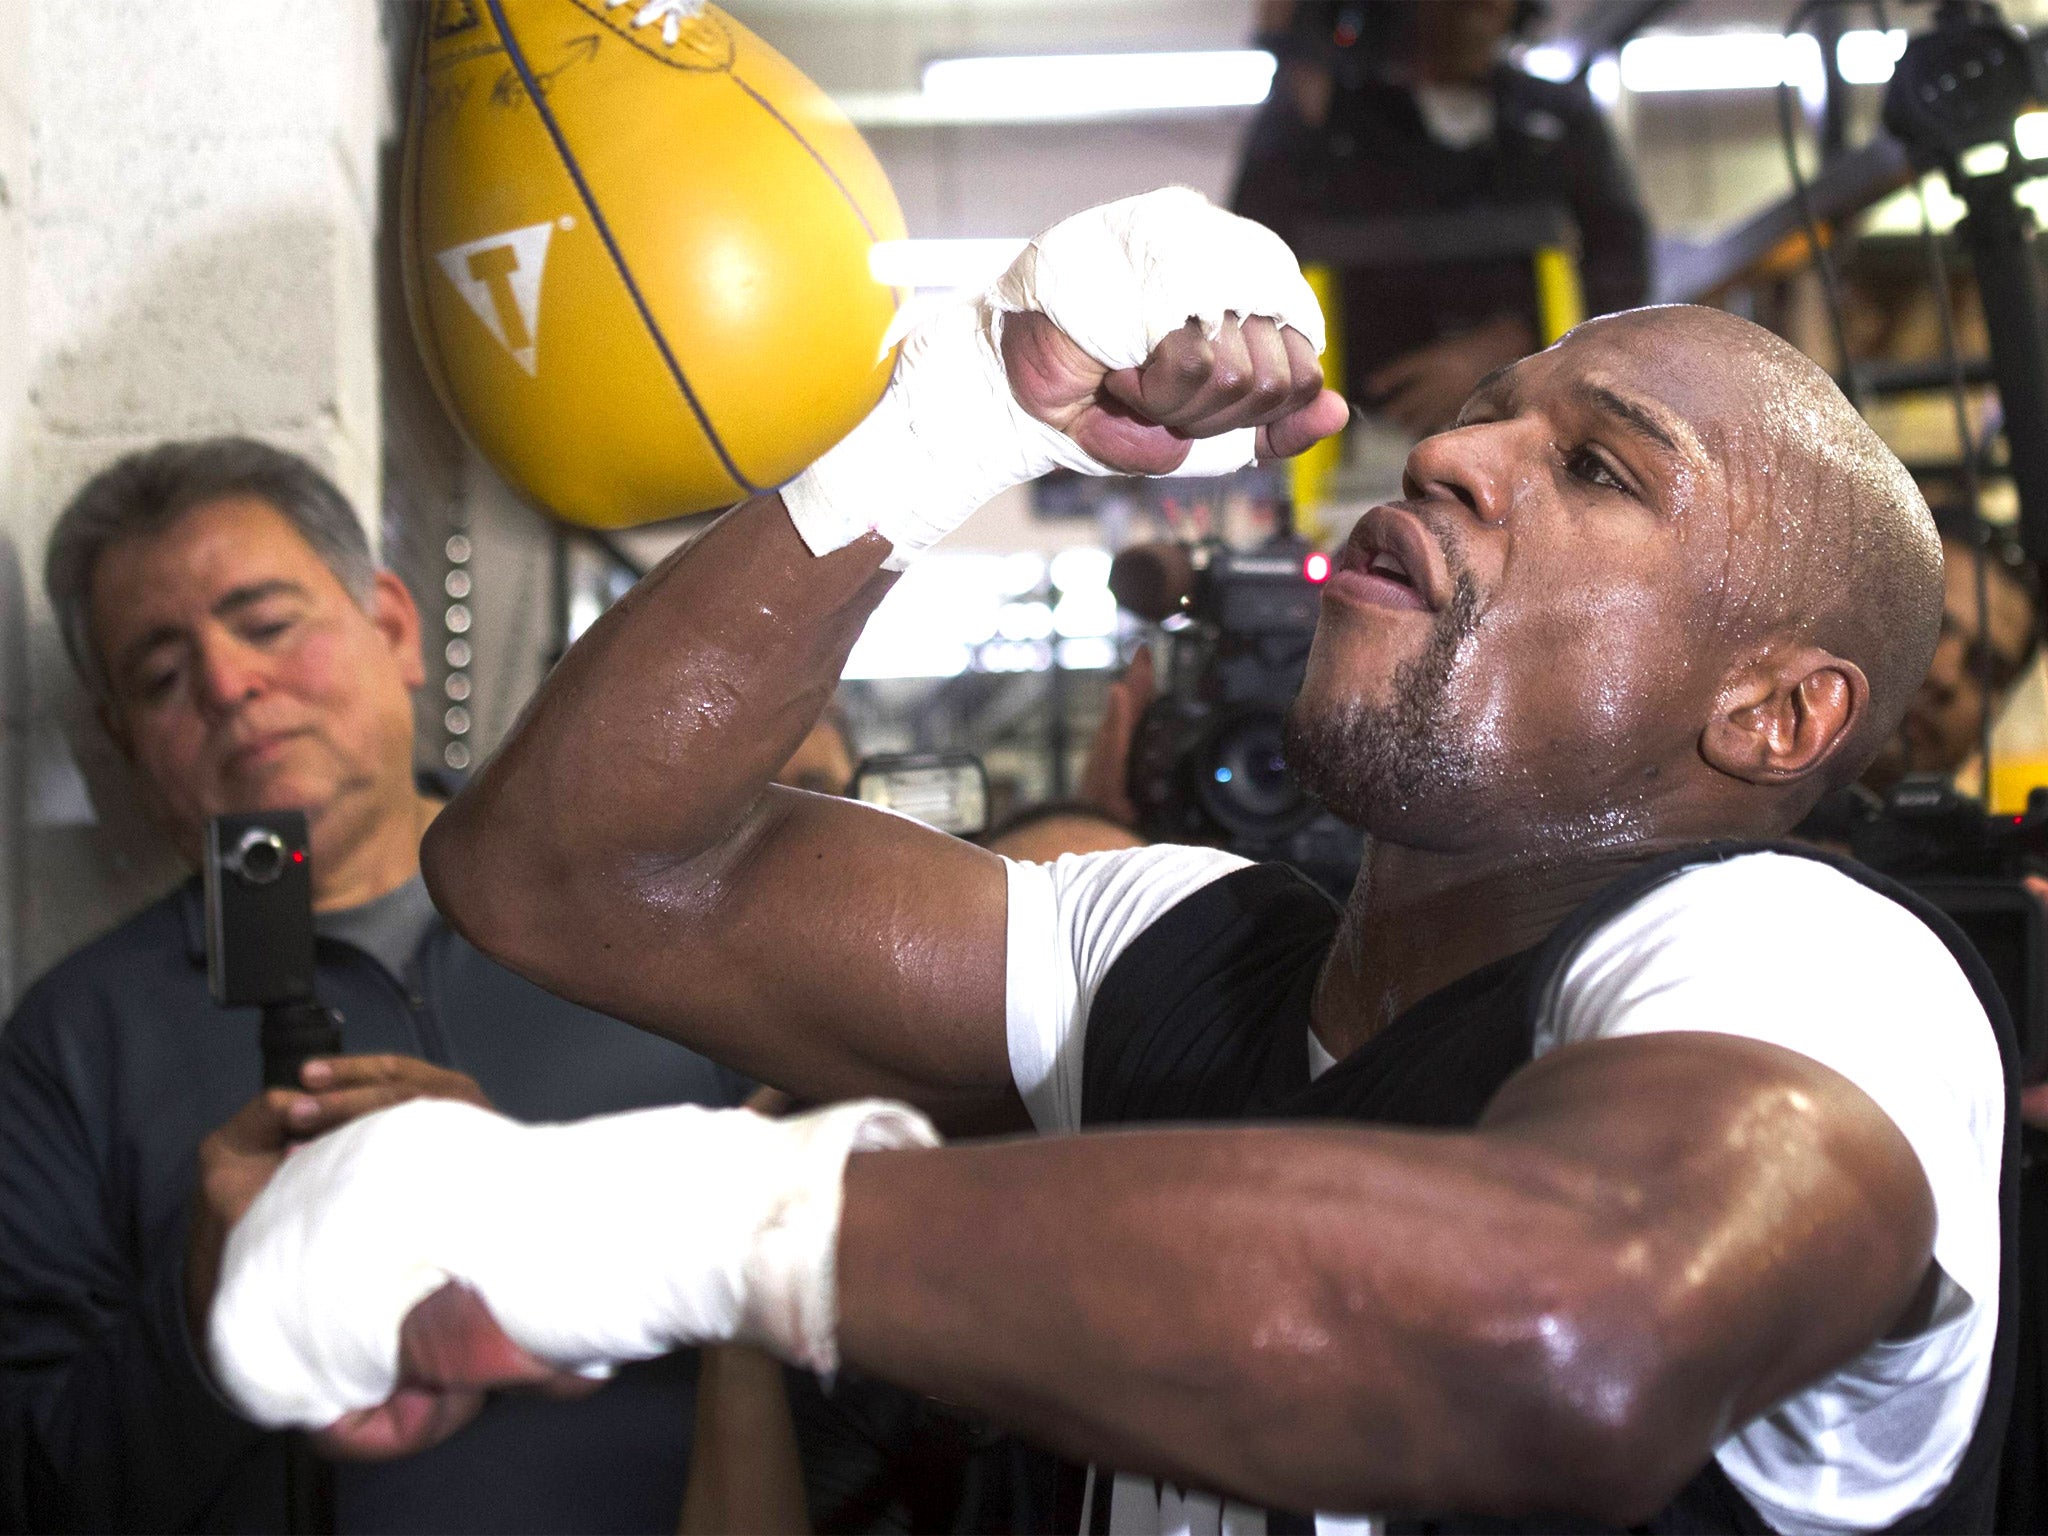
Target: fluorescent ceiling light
x,y
940,263
1866,57
1550,61
1026,88
1983,160
1718,61
1090,84
1603,80
1736,61
2030,134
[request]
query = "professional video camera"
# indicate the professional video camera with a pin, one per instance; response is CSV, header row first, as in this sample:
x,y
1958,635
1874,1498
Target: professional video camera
x,y
1207,765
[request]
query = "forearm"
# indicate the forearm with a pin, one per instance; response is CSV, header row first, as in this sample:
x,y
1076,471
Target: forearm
x,y
745,1474
655,736
1308,1319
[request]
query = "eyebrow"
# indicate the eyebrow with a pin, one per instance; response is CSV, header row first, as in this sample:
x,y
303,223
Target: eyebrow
x,y
1637,418
1494,384
231,602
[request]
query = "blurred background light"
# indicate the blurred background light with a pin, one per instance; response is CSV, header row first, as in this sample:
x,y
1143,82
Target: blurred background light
x,y
1023,88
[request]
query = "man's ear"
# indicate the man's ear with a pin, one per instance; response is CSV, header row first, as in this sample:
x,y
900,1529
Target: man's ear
x,y
1785,714
397,619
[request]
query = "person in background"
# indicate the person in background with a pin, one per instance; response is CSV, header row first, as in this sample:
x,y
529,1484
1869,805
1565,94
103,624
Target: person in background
x,y
1983,651
220,604
1412,109
824,762
1100,816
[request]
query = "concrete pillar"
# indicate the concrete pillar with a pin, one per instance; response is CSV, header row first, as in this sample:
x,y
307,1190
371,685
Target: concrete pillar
x,y
186,248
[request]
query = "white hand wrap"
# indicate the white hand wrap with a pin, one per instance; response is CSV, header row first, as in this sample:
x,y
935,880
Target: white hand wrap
x,y
948,435
617,1238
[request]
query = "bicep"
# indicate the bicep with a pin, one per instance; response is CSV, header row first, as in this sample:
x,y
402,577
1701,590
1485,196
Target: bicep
x,y
1779,1220
828,948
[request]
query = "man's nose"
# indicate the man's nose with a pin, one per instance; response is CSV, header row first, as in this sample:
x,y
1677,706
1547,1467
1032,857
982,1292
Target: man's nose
x,y
1463,464
230,673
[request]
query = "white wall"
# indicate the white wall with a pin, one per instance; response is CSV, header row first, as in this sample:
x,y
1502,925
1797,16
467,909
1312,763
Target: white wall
x,y
185,245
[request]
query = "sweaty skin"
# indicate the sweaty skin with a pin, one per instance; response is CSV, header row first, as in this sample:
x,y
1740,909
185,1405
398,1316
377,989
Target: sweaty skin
x,y
1598,653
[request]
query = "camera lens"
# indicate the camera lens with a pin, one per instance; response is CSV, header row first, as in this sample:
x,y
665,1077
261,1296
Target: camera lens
x,y
259,856
1242,780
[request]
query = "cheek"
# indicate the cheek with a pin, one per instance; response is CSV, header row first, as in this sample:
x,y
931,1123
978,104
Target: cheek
x,y
324,666
1596,672
170,756
339,675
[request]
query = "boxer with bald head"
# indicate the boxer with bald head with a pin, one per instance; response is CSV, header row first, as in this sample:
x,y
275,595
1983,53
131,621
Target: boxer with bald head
x,y
1606,1165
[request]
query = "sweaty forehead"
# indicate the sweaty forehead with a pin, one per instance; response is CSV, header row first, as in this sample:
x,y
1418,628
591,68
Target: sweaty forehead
x,y
1724,378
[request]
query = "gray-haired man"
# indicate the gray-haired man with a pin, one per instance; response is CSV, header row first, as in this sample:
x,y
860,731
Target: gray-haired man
x,y
220,602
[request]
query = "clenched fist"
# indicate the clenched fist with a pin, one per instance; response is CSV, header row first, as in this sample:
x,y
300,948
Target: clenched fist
x,y
1140,421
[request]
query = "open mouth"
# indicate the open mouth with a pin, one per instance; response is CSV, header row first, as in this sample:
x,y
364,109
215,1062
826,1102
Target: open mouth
x,y
1389,566
1392,561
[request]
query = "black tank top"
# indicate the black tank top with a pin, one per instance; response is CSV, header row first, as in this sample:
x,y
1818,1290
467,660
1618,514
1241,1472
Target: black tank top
x,y
1206,1017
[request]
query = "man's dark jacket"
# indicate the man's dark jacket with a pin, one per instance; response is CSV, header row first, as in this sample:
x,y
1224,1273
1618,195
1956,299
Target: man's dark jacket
x,y
1375,158
113,1069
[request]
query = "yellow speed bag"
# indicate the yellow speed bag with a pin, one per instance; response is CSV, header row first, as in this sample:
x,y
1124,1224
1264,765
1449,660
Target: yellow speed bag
x,y
636,253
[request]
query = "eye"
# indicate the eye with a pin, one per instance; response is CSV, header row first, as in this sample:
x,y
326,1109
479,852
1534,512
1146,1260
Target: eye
x,y
261,632
155,687
1588,464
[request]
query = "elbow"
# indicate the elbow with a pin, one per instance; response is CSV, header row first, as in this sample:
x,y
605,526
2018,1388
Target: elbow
x,y
1612,1422
1611,1460
475,877
445,853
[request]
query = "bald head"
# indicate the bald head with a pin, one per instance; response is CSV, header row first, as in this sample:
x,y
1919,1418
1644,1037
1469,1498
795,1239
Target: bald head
x,y
1663,582
1829,541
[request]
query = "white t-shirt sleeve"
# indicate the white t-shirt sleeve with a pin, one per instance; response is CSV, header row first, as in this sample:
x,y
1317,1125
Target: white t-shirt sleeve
x,y
1068,923
1788,950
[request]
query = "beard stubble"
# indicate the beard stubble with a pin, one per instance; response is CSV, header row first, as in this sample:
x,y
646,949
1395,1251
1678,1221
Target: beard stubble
x,y
1364,761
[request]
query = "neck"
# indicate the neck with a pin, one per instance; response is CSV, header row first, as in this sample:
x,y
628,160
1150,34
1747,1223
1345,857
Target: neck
x,y
375,863
1419,920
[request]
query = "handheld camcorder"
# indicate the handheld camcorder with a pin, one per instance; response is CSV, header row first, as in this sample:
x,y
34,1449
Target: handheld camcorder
x,y
259,936
1208,765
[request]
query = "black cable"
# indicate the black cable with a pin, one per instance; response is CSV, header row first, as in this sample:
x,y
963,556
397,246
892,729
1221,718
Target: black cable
x,y
1823,259
1831,294
1966,450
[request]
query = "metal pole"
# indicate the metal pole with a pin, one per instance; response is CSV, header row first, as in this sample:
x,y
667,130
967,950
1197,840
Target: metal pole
x,y
1999,233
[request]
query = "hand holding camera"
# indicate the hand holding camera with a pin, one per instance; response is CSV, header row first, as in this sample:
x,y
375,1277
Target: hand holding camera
x,y
239,1158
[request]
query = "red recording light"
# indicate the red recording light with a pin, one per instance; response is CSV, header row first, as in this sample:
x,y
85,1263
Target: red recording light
x,y
1316,567
298,855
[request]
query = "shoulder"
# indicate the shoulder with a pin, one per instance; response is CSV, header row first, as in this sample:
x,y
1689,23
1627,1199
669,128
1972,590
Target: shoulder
x,y
1798,919
1567,100
1140,912
1796,953
1126,885
1771,942
1801,954
1095,908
